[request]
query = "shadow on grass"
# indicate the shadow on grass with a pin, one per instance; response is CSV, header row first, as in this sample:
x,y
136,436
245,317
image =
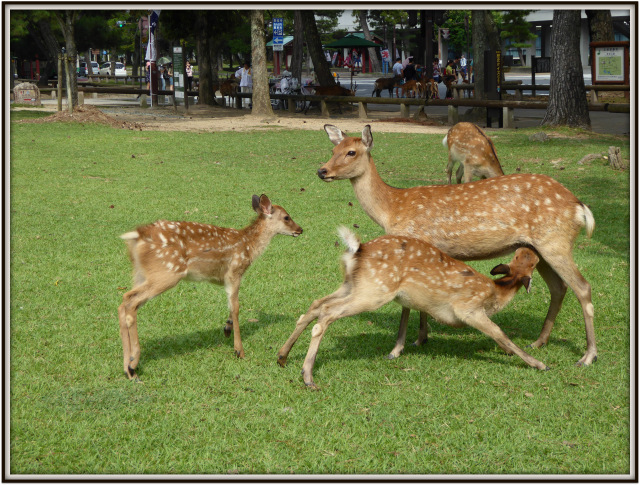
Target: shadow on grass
x,y
185,343
443,341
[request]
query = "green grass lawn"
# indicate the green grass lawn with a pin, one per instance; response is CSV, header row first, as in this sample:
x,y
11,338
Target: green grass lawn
x,y
457,405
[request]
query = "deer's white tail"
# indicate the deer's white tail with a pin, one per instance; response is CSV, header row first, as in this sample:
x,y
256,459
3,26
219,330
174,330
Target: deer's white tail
x,y
349,239
444,141
590,223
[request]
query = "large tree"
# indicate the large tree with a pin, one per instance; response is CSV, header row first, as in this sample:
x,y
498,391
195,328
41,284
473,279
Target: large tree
x,y
600,25
298,43
516,29
314,44
567,101
67,19
373,55
485,36
261,101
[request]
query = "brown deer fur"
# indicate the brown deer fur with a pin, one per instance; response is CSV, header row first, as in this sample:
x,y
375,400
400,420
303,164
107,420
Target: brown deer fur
x,y
479,220
417,275
164,253
474,150
385,83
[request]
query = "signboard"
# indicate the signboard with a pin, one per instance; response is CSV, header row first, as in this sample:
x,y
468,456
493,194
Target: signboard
x,y
386,56
178,74
609,64
278,34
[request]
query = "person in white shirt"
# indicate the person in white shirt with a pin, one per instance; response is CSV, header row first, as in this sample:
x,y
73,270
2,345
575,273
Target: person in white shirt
x,y
246,82
463,67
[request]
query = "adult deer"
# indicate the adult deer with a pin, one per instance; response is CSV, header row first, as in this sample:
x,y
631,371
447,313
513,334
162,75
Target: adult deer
x,y
418,275
479,220
474,150
165,252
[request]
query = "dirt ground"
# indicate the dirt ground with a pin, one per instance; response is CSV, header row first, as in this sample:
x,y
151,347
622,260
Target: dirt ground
x,y
215,119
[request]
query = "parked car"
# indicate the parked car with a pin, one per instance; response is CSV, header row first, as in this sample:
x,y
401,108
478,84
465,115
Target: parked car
x,y
82,70
105,69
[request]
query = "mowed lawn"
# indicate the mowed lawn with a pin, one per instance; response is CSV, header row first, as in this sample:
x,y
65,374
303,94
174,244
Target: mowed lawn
x,y
455,406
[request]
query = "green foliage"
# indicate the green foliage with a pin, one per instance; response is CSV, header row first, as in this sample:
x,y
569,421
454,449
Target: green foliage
x,y
455,22
458,405
515,29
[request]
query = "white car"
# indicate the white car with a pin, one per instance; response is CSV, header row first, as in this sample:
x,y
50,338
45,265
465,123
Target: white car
x,y
105,69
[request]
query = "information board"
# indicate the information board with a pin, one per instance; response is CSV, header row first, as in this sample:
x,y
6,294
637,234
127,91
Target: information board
x,y
178,74
610,63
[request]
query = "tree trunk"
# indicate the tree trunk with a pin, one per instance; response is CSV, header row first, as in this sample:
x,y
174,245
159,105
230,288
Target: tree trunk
x,y
206,59
66,19
485,37
261,101
298,43
600,25
43,36
373,55
314,44
567,100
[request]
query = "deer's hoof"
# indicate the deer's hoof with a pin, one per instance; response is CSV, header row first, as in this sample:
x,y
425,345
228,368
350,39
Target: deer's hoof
x,y
228,328
131,374
282,360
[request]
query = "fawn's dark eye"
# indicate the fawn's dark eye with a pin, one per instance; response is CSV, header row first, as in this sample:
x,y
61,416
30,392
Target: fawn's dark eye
x,y
286,218
351,153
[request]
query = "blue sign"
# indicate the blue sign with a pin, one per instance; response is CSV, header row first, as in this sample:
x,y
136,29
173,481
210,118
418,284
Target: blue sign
x,y
278,33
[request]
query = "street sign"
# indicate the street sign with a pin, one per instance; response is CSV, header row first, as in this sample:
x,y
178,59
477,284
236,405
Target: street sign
x,y
278,34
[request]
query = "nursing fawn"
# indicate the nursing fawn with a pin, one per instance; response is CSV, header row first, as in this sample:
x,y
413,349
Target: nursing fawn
x,y
478,220
164,253
416,275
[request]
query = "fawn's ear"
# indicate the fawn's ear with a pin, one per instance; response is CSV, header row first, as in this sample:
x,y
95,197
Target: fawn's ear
x,y
501,269
526,282
336,135
367,137
262,204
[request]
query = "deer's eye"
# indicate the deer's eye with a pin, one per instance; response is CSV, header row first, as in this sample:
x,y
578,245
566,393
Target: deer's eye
x,y
286,218
351,153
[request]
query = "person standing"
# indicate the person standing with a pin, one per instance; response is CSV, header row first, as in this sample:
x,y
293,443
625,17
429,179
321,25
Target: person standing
x,y
397,73
246,82
437,73
189,71
463,68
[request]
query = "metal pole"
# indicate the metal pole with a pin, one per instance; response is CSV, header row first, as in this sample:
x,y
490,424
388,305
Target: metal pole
x,y
59,82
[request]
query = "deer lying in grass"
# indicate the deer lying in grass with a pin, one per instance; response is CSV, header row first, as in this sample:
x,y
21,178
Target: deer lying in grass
x,y
479,220
416,275
164,253
474,150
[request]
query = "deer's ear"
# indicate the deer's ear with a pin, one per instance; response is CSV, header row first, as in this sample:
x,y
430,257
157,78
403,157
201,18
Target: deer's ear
x,y
255,203
501,269
265,205
367,137
336,135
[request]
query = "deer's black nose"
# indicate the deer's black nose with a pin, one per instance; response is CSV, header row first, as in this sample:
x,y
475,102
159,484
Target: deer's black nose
x,y
322,173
